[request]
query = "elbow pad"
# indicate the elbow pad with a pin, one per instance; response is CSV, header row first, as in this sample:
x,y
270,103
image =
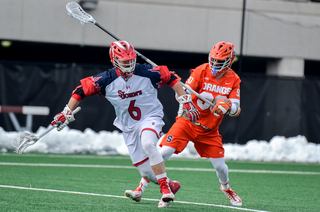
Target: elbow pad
x,y
78,93
235,110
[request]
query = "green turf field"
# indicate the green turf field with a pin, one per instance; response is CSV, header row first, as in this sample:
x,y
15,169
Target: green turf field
x,y
55,182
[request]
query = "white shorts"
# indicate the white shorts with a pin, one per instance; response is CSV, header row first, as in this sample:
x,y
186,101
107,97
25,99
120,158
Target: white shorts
x,y
133,138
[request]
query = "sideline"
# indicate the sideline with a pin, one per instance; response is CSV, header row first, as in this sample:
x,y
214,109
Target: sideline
x,y
123,197
167,168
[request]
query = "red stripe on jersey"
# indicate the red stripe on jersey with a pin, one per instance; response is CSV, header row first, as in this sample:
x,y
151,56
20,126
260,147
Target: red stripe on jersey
x,y
152,131
141,162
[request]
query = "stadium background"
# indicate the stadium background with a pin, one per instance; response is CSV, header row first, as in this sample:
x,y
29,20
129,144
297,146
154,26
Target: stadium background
x,y
276,42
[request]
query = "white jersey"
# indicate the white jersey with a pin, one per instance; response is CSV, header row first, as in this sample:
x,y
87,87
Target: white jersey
x,y
134,99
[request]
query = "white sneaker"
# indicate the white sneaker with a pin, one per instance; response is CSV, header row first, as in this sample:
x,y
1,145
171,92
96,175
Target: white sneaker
x,y
135,195
174,187
232,196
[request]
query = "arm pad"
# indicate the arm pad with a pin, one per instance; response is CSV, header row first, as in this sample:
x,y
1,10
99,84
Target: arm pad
x,y
78,93
235,109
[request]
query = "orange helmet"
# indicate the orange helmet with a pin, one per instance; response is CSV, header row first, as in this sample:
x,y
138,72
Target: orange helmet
x,y
123,57
221,58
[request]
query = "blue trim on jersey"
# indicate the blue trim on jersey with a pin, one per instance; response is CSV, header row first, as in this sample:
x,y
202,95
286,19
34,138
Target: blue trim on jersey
x,y
147,70
105,78
143,70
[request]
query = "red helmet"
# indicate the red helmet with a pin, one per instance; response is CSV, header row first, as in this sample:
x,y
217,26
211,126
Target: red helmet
x,y
123,57
221,58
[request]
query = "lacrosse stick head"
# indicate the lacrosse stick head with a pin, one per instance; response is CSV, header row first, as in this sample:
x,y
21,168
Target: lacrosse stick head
x,y
26,139
76,11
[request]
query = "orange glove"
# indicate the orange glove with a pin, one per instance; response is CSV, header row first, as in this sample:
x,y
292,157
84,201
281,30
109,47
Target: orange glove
x,y
223,106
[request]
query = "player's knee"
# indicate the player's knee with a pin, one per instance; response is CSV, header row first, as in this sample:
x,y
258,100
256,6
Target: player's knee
x,y
166,152
148,147
148,141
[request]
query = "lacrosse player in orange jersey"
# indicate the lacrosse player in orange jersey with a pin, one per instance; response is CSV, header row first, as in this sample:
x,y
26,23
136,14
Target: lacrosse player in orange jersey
x,y
218,83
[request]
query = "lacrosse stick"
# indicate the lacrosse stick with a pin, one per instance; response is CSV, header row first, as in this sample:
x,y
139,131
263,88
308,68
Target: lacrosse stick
x,y
76,12
28,139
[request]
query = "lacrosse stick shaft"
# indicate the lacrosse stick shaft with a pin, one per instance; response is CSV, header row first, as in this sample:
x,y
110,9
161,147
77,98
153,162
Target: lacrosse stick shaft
x,y
197,94
107,31
52,127
46,132
30,139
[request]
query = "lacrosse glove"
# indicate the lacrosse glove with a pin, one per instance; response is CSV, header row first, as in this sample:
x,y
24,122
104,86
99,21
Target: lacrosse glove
x,y
223,106
63,119
187,108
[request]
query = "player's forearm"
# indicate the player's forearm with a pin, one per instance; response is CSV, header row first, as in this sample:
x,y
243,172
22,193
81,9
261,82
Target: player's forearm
x,y
179,89
73,103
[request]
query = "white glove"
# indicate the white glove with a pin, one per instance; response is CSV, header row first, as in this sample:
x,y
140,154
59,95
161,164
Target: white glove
x,y
187,108
63,119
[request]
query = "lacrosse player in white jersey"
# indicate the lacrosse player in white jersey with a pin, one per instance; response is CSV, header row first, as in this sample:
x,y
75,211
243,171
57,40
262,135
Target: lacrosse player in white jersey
x,y
132,89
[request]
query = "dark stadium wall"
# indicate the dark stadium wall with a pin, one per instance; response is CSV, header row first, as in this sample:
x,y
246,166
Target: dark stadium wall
x,y
270,105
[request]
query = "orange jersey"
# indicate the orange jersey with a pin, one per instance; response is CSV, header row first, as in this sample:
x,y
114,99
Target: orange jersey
x,y
203,82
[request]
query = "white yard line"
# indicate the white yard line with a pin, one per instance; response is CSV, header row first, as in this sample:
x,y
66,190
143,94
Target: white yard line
x,y
122,197
168,168
124,157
